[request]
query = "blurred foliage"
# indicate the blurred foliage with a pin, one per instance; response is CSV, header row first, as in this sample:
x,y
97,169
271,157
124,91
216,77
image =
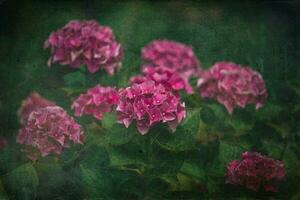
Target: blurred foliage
x,y
118,163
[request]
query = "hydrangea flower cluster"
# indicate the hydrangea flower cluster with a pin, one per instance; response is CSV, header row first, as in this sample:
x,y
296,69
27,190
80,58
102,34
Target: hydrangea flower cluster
x,y
233,86
149,103
96,101
47,129
32,103
172,55
255,170
85,43
169,78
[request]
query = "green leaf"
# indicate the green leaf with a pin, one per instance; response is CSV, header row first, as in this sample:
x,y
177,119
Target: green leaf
x,y
22,182
295,85
229,152
191,122
207,115
183,138
194,170
272,148
75,79
216,168
268,112
119,157
164,162
3,195
108,120
186,183
283,129
116,135
97,183
296,196
214,185
290,160
72,90
218,110
55,182
241,126
10,158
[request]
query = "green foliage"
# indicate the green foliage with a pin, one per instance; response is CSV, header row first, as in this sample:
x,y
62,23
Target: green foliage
x,y
183,138
228,152
75,82
22,182
194,170
3,194
115,135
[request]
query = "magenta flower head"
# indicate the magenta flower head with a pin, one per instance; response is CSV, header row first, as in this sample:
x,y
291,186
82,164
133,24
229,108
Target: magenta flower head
x,y
149,103
85,43
233,86
96,101
173,55
48,130
168,78
32,103
255,170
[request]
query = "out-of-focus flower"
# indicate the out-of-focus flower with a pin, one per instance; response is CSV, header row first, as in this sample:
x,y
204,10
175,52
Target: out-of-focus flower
x,y
48,130
85,43
172,55
32,103
96,101
168,78
233,86
255,170
149,103
3,143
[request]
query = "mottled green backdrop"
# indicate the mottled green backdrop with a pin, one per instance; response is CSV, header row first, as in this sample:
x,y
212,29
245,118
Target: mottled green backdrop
x,y
261,34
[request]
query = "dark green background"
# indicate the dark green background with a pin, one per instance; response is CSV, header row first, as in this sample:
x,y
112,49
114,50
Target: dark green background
x,y
261,34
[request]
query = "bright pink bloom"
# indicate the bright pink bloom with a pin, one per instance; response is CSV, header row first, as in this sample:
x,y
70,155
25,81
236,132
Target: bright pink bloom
x,y
233,86
149,103
169,78
85,43
172,55
32,103
255,170
96,101
48,130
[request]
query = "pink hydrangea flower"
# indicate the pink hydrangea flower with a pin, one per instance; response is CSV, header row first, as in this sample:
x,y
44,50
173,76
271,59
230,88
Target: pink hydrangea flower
x,y
255,170
85,43
149,103
173,55
169,78
233,86
48,130
32,103
96,101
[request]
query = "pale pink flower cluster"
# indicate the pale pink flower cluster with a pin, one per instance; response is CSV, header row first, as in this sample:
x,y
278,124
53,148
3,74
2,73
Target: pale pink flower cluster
x,y
172,55
85,43
96,101
47,129
233,85
148,103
